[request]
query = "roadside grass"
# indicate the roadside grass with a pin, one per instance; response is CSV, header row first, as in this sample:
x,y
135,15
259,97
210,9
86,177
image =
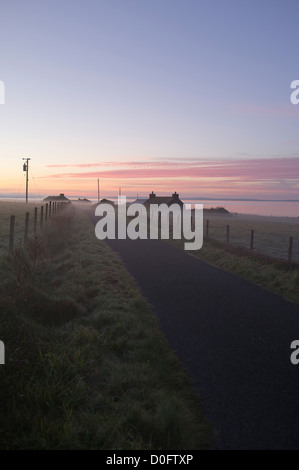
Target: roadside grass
x,y
279,276
86,364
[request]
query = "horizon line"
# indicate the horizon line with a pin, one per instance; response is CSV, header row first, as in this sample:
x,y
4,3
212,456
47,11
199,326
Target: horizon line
x,y
191,198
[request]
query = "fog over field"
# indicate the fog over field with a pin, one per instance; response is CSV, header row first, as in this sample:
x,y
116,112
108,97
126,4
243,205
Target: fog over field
x,y
271,233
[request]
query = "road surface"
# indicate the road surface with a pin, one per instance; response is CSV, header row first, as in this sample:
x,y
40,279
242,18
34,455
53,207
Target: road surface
x,y
233,339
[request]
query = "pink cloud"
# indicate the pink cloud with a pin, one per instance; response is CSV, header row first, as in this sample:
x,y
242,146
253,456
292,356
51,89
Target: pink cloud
x,y
119,164
264,169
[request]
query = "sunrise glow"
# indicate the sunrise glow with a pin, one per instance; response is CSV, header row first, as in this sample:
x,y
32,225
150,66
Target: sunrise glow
x,y
148,96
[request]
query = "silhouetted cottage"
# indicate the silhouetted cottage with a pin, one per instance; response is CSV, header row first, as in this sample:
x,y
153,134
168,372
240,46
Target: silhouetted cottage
x,y
83,200
105,201
60,198
173,199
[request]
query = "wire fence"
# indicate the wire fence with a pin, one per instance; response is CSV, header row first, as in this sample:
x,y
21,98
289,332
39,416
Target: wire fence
x,y
34,220
275,239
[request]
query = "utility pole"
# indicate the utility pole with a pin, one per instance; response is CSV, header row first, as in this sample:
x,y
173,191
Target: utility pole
x,y
26,168
98,190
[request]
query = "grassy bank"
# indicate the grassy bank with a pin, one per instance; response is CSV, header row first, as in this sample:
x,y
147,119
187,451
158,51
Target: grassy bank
x,y
275,275
86,364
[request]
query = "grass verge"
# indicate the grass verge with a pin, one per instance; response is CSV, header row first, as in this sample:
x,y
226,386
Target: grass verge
x,y
86,364
272,274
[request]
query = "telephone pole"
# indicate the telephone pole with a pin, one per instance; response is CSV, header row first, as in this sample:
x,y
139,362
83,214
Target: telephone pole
x,y
26,168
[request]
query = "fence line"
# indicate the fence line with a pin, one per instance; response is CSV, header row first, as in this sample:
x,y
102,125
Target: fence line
x,y
50,210
290,251
228,233
53,208
11,232
251,239
35,220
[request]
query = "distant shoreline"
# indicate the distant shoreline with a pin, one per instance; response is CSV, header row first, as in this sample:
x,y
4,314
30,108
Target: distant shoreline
x,y
285,210
194,199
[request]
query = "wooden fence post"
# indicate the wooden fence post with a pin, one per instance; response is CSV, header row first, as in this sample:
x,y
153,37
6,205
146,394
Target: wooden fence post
x,y
41,217
50,209
290,251
26,227
227,234
46,214
35,220
251,239
11,232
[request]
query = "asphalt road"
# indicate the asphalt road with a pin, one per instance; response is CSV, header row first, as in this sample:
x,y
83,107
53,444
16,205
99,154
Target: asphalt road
x,y
233,339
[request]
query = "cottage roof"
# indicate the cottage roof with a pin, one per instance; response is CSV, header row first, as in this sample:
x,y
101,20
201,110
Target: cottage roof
x,y
61,197
105,201
173,199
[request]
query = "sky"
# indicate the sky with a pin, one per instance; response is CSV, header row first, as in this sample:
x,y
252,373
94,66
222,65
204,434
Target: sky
x,y
190,96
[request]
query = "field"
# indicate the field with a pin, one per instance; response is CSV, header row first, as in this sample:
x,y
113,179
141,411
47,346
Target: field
x,y
86,364
271,234
18,209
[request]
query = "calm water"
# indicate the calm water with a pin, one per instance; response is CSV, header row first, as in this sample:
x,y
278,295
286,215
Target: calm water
x,y
267,208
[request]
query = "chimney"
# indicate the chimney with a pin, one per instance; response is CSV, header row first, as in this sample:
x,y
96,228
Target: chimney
x,y
152,195
61,194
175,195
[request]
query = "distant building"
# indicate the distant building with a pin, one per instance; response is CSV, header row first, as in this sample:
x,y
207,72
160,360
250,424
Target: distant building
x,y
83,199
105,201
169,200
60,198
